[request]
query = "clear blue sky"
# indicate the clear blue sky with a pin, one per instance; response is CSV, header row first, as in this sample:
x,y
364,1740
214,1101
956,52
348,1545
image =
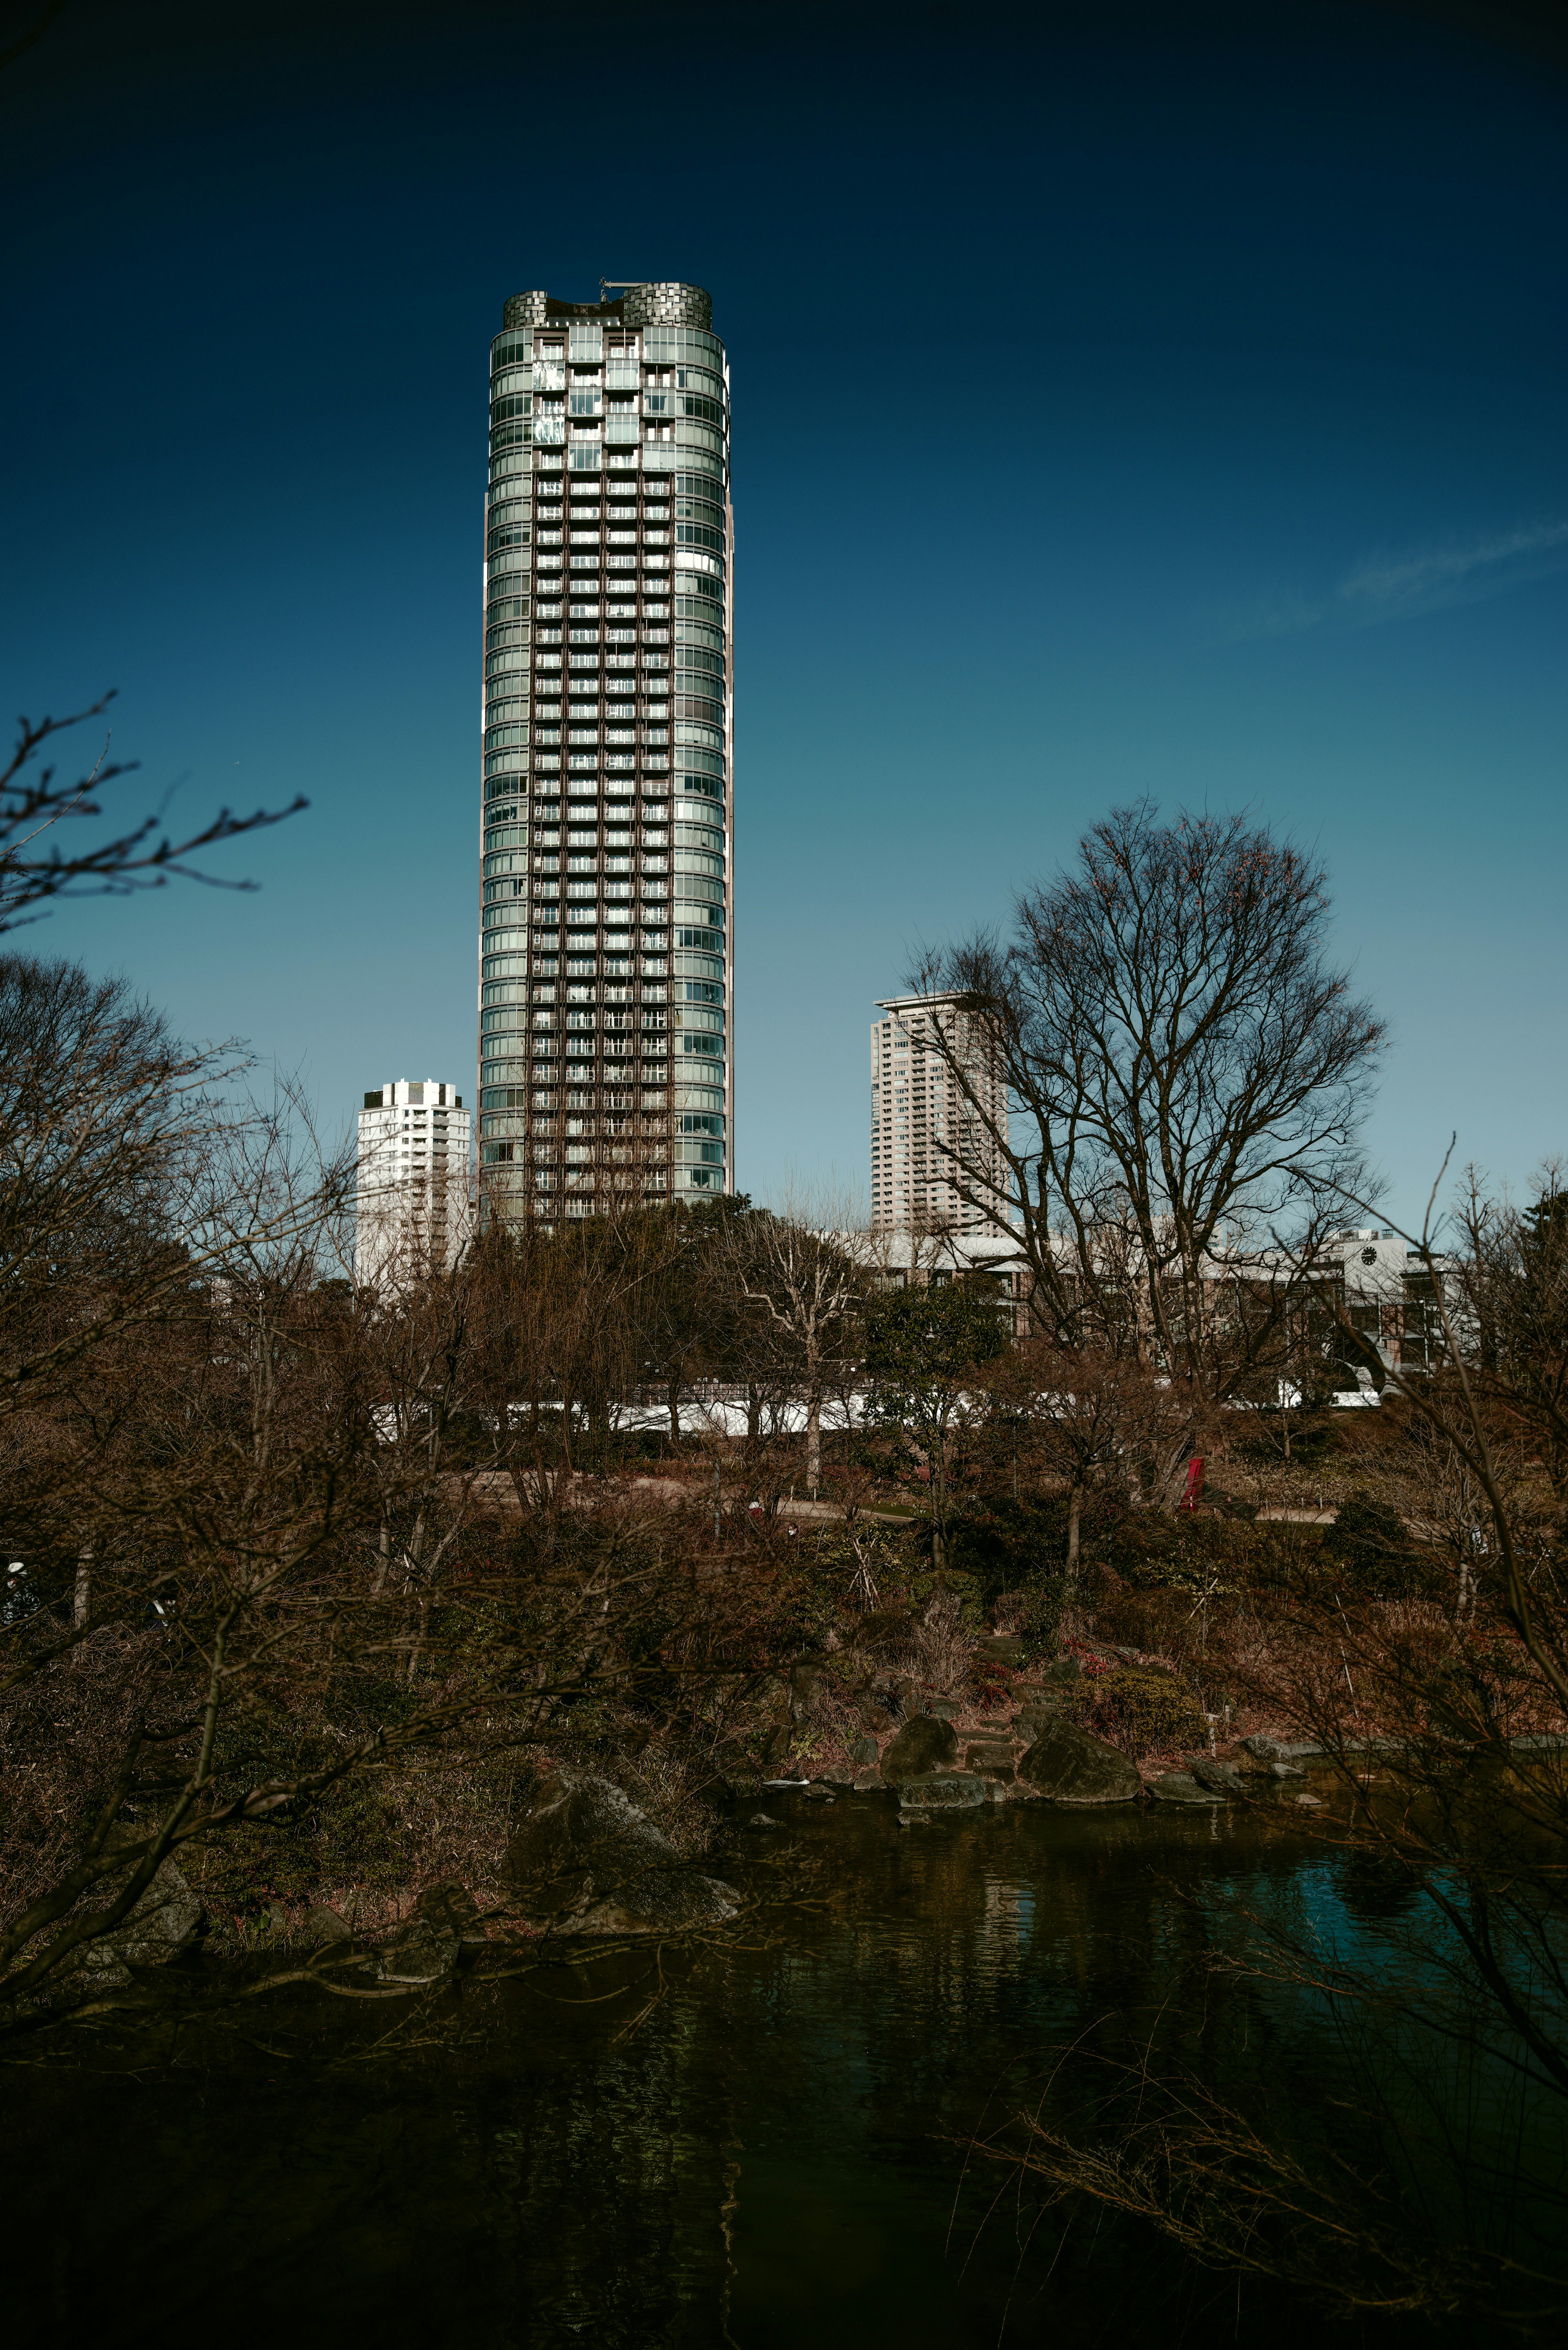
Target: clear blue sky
x,y
1163,399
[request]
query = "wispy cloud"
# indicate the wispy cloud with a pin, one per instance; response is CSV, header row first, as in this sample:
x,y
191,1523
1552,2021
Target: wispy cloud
x,y
1396,587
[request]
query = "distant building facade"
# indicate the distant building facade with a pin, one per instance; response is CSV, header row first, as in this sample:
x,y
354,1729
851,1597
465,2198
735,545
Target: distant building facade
x,y
923,1121
1393,1299
411,1193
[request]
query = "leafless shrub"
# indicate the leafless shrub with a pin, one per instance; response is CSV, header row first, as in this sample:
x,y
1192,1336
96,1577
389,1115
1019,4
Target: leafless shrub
x,y
941,1648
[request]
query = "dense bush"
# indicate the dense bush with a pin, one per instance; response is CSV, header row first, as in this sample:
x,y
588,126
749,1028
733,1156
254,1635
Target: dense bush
x,y
1006,1543
1137,1709
1369,1550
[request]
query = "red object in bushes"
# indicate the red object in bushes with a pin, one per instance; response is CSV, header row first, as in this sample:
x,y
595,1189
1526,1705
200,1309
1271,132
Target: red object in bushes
x,y
1191,1498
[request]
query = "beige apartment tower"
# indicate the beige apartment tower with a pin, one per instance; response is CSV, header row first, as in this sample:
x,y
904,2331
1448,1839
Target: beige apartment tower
x,y
921,1121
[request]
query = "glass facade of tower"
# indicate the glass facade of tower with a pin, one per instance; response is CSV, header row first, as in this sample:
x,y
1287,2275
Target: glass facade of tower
x,y
606,1056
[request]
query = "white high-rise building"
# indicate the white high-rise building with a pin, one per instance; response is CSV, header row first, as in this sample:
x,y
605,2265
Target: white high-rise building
x,y
411,1190
921,1119
606,1064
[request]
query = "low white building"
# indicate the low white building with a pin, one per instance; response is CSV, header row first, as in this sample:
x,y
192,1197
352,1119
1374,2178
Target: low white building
x,y
411,1195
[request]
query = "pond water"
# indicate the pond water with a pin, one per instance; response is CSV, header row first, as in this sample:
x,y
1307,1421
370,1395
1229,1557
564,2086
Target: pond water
x,y
770,2154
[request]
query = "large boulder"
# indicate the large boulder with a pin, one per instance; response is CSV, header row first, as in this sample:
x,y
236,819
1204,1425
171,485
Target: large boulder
x,y
1034,1719
1069,1765
165,1921
586,1858
923,1745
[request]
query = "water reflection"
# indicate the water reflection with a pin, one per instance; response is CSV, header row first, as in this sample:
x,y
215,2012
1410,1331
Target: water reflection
x,y
770,2156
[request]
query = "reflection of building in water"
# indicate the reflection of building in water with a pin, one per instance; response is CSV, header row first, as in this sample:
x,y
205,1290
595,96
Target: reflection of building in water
x,y
1005,1920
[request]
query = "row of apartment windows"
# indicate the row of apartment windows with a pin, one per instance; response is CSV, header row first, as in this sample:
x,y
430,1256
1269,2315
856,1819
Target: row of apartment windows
x,y
585,857
588,500
587,402
619,375
587,342
507,608
619,814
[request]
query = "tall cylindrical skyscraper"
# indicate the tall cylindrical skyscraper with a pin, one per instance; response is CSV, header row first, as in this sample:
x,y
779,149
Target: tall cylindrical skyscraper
x,y
606,1056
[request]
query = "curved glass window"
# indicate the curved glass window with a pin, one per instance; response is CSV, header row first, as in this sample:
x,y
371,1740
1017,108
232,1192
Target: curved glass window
x,y
703,380
662,346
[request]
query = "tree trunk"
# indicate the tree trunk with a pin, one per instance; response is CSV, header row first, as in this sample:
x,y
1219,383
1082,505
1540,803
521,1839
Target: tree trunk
x,y
936,1457
674,1409
754,1415
813,1422
1074,1531
81,1601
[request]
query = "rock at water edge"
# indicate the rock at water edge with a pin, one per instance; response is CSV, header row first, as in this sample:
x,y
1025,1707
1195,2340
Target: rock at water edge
x,y
1069,1765
942,1791
584,1856
1181,1787
165,1921
923,1745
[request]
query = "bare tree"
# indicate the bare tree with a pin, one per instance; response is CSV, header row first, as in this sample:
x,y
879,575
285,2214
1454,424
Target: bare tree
x,y
1188,1072
34,867
1092,1419
795,1271
1511,1269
